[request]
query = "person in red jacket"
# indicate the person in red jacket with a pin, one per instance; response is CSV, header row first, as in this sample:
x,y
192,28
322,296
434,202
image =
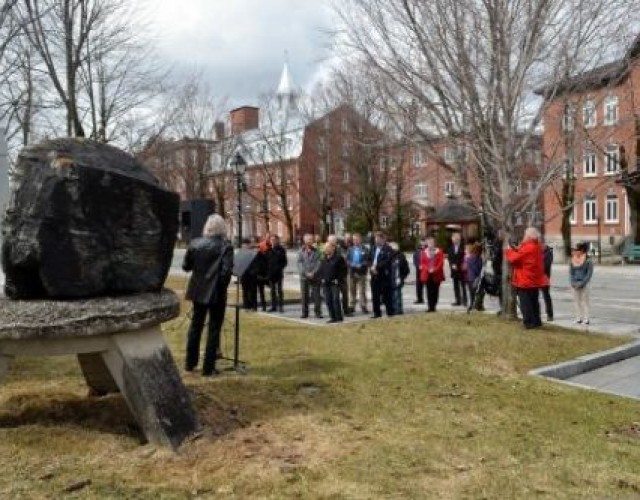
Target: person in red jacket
x,y
432,272
527,263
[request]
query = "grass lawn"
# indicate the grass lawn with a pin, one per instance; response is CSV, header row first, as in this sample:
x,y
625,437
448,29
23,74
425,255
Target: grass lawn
x,y
425,406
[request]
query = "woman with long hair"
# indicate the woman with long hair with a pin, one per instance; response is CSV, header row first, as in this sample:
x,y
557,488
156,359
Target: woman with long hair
x,y
580,272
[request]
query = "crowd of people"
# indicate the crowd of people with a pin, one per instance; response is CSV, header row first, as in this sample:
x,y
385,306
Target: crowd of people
x,y
347,274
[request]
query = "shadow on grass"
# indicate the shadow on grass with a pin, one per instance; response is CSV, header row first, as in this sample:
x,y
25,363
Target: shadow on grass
x,y
108,414
268,392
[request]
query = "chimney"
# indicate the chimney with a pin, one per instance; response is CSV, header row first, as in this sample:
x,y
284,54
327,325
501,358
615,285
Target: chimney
x,y
244,118
219,131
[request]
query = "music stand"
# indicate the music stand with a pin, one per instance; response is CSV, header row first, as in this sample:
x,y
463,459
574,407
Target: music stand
x,y
241,263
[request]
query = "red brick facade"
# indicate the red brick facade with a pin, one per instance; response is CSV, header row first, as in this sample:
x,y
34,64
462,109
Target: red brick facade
x,y
588,127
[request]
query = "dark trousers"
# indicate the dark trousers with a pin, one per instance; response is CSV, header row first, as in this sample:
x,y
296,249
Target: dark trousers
x,y
344,292
548,305
277,299
216,318
459,288
263,302
433,293
396,300
249,292
380,294
470,287
419,288
310,290
530,307
334,305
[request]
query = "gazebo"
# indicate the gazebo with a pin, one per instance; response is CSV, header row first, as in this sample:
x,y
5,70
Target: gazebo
x,y
455,216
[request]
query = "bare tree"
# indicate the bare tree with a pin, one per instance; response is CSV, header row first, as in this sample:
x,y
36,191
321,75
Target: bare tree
x,y
470,67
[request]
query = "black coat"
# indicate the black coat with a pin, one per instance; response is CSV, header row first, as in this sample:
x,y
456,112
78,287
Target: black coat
x,y
456,258
276,262
333,270
383,264
211,263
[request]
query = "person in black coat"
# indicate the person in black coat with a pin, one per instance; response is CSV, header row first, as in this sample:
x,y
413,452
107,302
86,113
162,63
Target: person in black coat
x,y
381,255
416,264
546,290
455,256
333,272
276,262
249,282
210,259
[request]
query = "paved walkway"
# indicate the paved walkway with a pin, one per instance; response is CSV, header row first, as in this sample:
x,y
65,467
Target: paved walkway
x,y
621,378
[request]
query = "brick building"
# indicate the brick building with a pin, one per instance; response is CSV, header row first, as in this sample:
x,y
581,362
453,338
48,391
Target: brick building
x,y
588,125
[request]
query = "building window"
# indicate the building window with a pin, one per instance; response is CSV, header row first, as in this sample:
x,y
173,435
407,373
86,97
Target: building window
x,y
537,158
517,186
589,162
567,117
589,114
345,149
611,159
611,213
345,174
449,187
573,218
322,145
611,110
517,219
384,221
418,158
345,125
382,165
449,154
532,186
420,190
346,201
590,210
322,174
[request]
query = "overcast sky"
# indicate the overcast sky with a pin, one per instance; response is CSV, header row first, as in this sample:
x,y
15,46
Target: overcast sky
x,y
240,44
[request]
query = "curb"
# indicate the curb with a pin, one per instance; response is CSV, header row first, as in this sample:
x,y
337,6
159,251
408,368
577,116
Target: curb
x,y
587,363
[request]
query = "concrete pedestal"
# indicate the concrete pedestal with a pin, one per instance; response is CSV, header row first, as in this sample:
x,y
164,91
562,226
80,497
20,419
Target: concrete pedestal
x,y
120,347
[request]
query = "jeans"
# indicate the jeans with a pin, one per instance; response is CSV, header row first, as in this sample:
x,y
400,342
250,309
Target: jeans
x,y
277,299
581,302
216,312
548,304
332,296
310,290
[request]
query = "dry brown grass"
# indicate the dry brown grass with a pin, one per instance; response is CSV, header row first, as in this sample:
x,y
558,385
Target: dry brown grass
x,y
413,407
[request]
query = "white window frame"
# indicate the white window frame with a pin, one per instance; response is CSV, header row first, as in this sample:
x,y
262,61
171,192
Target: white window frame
x,y
568,117
449,187
589,159
612,201
418,157
346,201
384,221
449,154
573,219
611,110
345,174
611,151
589,114
590,206
322,173
420,190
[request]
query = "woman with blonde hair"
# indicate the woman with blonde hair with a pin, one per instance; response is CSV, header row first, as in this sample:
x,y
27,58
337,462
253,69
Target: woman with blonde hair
x,y
210,259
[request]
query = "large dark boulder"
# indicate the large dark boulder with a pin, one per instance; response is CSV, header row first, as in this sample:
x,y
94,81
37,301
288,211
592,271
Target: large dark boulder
x,y
85,219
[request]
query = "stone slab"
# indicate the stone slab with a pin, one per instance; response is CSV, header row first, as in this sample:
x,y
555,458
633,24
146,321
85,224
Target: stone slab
x,y
32,319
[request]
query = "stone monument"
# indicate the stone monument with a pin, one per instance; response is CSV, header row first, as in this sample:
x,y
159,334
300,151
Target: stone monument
x,y
88,241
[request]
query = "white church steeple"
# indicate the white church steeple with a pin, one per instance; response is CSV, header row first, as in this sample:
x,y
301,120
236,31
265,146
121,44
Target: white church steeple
x,y
286,93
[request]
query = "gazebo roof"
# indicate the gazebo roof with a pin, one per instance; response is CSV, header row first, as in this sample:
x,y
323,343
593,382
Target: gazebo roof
x,y
454,212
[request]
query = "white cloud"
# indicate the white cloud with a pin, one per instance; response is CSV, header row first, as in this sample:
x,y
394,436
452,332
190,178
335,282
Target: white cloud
x,y
240,44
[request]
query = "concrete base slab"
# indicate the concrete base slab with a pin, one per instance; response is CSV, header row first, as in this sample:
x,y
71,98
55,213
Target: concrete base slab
x,y
615,371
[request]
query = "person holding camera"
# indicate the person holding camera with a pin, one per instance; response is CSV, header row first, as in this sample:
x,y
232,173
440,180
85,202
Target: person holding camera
x,y
527,262
333,272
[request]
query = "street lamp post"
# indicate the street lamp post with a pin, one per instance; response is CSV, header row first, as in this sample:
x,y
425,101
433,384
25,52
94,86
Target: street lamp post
x,y
265,207
239,167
